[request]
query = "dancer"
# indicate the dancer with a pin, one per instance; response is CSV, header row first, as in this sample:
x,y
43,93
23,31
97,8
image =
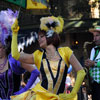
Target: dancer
x,y
52,61
11,69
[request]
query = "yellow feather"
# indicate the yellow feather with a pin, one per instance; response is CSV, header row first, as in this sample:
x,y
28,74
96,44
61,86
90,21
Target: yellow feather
x,y
58,29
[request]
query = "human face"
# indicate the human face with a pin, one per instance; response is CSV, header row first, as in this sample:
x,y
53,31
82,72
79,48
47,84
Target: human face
x,y
96,38
42,41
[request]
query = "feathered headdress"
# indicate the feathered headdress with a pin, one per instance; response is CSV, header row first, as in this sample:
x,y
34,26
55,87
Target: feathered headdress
x,y
7,18
51,24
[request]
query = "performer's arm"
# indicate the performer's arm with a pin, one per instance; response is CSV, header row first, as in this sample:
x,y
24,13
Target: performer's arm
x,y
14,45
22,57
79,79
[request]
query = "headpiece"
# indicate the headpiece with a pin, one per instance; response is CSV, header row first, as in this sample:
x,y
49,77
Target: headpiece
x,y
96,27
51,24
7,18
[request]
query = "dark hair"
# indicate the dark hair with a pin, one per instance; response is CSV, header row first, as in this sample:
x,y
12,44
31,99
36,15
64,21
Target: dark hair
x,y
55,39
8,45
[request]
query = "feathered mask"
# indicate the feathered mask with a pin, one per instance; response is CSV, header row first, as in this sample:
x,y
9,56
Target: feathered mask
x,y
7,18
51,24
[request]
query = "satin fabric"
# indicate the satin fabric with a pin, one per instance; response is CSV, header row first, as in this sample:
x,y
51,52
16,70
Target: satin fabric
x,y
37,93
64,52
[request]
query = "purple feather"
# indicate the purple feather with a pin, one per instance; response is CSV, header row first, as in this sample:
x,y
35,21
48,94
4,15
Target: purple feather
x,y
7,18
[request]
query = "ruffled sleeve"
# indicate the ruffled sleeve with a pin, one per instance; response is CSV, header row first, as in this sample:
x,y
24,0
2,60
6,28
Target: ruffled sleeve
x,y
65,53
37,58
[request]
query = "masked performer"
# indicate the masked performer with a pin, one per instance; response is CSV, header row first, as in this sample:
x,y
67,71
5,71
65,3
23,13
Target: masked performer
x,y
10,69
52,61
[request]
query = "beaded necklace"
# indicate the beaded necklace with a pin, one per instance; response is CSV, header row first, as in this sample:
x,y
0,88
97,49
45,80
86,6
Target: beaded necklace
x,y
51,56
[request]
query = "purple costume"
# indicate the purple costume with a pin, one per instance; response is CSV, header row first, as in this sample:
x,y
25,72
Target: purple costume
x,y
10,80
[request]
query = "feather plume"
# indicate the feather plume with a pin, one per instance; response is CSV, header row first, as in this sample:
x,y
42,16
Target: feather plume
x,y
7,18
52,23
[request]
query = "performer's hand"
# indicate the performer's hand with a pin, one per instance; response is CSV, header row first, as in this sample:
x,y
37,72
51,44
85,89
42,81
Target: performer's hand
x,y
15,27
79,79
89,63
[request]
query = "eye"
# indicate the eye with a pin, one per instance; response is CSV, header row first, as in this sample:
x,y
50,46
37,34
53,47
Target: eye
x,y
42,36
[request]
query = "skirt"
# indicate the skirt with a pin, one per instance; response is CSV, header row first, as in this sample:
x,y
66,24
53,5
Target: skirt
x,y
37,93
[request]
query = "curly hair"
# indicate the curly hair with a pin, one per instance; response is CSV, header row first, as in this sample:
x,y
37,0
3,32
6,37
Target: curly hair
x,y
8,45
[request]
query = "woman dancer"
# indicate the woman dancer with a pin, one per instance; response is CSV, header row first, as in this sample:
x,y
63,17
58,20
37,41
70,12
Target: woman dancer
x,y
52,61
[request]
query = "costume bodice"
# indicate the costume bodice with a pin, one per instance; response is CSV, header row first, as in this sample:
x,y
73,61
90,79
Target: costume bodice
x,y
9,83
53,75
47,72
10,79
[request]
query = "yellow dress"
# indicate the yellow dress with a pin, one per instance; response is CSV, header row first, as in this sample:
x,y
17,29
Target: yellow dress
x,y
38,93
53,77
